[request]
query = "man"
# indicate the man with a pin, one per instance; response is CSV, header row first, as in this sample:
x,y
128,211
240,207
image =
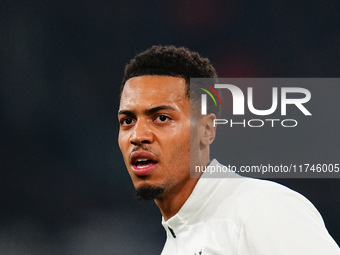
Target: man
x,y
158,139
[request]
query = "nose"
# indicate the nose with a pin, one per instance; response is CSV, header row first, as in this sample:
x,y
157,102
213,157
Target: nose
x,y
142,133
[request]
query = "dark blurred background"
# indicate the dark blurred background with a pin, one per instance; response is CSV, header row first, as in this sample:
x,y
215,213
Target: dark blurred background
x,y
64,188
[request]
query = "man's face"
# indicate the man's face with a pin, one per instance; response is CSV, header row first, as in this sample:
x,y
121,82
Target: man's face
x,y
154,134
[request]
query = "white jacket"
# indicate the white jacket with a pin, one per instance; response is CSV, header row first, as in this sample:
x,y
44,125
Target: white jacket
x,y
244,216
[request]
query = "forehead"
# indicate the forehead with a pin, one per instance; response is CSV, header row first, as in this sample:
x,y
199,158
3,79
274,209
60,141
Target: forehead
x,y
149,91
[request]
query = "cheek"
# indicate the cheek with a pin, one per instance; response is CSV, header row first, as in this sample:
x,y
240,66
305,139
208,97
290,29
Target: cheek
x,y
123,143
120,142
181,148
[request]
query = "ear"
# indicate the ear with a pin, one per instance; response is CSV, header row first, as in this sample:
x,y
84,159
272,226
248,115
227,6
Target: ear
x,y
208,129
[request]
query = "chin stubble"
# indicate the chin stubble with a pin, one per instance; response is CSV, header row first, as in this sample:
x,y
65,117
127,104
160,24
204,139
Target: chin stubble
x,y
149,192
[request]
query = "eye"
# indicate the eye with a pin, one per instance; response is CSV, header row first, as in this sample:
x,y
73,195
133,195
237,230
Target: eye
x,y
126,121
162,118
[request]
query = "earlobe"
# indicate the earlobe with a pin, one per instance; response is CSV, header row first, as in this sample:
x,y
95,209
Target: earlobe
x,y
208,129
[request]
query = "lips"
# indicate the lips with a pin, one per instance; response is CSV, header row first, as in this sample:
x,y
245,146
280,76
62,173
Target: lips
x,y
143,162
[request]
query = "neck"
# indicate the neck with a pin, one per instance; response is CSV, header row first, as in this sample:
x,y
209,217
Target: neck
x,y
171,203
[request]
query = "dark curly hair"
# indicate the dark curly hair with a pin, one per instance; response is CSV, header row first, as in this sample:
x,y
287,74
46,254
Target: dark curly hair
x,y
170,61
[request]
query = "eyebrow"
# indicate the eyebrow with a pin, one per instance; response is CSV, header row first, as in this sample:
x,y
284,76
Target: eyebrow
x,y
158,108
147,111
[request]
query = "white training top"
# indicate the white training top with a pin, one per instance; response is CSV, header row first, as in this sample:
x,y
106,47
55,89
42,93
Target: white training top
x,y
245,216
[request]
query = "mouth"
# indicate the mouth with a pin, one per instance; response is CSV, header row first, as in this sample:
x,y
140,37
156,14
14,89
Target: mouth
x,y
143,163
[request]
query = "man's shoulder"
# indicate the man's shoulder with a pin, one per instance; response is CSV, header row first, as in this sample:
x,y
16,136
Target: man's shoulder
x,y
237,186
237,198
246,189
